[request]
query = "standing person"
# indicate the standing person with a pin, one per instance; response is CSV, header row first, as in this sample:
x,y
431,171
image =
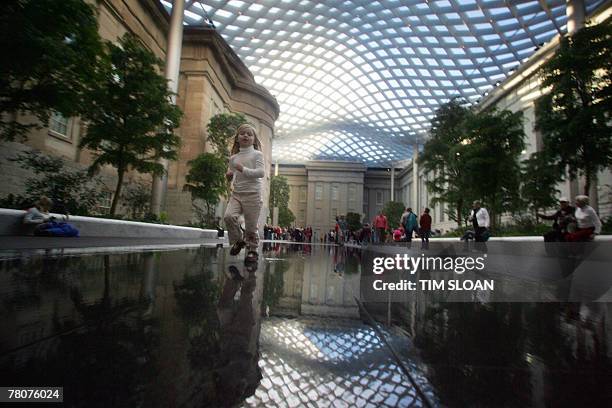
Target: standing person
x,y
480,220
409,221
381,225
425,227
588,222
246,167
561,219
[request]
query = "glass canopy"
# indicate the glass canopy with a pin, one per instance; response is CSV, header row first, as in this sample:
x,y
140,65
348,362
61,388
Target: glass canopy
x,y
360,80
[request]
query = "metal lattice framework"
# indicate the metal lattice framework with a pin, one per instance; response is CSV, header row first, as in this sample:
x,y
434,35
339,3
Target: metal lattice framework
x,y
361,79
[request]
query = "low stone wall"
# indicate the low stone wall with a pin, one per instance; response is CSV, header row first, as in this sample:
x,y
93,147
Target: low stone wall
x,y
11,223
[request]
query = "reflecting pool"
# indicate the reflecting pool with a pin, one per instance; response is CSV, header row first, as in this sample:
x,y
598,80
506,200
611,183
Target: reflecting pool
x,y
198,327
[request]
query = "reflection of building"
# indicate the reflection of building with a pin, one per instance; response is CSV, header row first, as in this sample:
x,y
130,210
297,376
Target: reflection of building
x,y
315,286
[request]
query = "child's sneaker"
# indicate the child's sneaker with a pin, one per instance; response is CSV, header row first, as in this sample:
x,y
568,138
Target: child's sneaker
x,y
237,247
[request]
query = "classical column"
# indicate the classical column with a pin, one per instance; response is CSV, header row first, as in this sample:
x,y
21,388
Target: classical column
x,y
415,179
173,62
275,209
575,15
575,12
392,181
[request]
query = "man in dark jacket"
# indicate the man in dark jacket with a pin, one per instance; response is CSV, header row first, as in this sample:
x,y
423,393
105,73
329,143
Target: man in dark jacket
x,y
562,218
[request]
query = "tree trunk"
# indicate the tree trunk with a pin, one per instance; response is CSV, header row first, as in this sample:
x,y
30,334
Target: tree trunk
x,y
459,211
120,173
588,177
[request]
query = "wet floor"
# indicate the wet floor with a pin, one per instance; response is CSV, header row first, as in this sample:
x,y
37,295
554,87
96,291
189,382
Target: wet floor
x,y
196,327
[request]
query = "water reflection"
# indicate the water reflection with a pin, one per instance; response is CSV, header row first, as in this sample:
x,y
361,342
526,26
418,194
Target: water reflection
x,y
142,329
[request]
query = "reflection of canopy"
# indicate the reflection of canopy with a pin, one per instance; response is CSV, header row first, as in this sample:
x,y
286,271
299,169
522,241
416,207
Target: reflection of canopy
x,y
360,80
326,360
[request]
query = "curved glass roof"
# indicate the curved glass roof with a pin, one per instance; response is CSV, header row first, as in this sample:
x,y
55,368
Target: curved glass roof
x,y
360,80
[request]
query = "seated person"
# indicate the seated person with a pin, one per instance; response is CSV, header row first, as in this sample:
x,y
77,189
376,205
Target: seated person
x,y
39,214
588,222
397,234
45,223
563,221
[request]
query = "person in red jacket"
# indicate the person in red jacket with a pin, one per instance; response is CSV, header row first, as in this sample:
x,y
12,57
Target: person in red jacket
x,y
425,227
381,225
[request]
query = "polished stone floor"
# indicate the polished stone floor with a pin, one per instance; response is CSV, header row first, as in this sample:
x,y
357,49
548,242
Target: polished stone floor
x,y
197,327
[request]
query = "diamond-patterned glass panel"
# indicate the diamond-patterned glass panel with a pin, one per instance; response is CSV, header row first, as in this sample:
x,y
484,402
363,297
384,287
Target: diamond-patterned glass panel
x,y
375,70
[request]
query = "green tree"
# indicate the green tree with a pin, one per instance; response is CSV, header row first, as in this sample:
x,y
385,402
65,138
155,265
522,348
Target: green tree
x,y
285,217
52,178
442,159
393,210
131,118
493,144
138,198
574,114
206,182
50,55
222,128
353,221
279,192
539,177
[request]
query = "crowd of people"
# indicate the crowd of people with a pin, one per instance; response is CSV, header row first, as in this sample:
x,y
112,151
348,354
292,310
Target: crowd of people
x,y
577,223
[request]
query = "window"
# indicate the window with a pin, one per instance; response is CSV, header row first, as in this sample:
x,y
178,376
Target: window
x,y
334,192
302,216
104,204
303,194
352,192
379,198
58,124
318,191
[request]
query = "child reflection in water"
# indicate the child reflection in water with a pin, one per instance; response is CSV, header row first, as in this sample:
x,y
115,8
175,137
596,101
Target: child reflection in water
x,y
239,374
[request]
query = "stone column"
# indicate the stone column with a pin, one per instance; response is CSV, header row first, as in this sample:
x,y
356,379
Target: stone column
x,y
415,179
392,181
173,62
275,209
575,12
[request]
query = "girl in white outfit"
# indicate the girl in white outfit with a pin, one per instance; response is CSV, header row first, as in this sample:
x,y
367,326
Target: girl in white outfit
x,y
246,168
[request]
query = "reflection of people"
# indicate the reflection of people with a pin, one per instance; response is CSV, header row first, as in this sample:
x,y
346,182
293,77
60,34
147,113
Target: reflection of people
x,y
588,222
247,170
238,376
562,218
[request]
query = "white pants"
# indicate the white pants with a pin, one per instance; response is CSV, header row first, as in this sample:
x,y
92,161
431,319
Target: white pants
x,y
249,205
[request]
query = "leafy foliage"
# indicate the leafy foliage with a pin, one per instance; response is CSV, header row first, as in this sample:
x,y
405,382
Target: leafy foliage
x,y
138,198
279,192
132,118
51,51
574,116
285,217
353,221
490,159
62,185
206,182
539,177
222,128
442,158
393,210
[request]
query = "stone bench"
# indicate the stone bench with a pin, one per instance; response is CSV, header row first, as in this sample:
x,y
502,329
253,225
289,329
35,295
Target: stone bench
x,y
11,223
